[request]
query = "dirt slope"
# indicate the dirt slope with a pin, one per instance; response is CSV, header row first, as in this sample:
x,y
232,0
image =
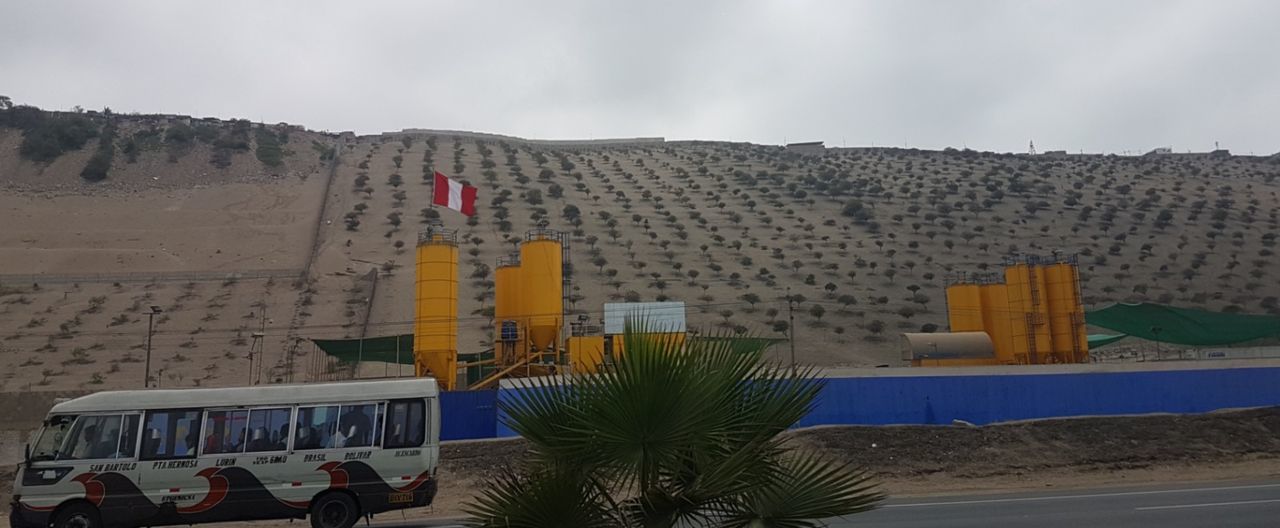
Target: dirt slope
x,y
866,236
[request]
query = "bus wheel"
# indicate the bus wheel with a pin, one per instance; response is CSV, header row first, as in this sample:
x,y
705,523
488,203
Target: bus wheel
x,y
77,515
333,510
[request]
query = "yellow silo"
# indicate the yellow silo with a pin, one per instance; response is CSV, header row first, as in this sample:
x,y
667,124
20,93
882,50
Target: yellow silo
x,y
1029,311
964,307
1066,313
996,319
507,310
435,328
542,289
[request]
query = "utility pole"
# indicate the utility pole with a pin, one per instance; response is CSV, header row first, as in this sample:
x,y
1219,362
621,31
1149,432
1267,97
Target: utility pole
x,y
151,317
791,325
257,338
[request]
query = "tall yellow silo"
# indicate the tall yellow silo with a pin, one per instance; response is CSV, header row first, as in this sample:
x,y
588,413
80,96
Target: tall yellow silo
x,y
1029,311
997,321
1066,312
435,324
964,307
508,313
542,289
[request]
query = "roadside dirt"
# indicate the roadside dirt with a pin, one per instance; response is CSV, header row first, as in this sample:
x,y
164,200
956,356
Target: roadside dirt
x,y
923,460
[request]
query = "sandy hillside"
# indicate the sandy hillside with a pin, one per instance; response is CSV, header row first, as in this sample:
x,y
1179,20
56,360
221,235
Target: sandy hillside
x,y
866,236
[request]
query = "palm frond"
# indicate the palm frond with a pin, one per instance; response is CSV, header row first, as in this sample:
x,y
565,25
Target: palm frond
x,y
537,499
804,490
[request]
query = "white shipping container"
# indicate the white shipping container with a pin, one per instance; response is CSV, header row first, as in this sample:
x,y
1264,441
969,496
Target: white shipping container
x,y
658,316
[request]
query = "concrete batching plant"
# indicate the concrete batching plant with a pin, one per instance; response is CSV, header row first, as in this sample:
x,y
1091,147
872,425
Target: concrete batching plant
x,y
1031,315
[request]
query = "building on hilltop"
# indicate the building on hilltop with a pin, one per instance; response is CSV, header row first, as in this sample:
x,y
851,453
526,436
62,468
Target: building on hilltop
x,y
1160,151
807,147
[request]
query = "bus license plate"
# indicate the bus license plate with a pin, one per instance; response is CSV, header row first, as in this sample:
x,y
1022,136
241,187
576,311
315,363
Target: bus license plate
x,y
400,497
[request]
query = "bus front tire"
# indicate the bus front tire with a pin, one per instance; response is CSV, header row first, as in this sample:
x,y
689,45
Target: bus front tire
x,y
331,510
77,515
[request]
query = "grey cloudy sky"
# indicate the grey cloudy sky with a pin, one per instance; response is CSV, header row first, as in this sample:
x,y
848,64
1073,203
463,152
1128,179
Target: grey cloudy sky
x,y
1098,76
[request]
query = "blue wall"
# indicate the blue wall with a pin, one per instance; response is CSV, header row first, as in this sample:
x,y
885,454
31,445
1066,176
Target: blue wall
x,y
979,399
987,399
467,415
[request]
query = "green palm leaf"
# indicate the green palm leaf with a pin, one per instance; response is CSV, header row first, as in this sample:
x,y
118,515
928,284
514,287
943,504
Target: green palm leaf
x,y
678,432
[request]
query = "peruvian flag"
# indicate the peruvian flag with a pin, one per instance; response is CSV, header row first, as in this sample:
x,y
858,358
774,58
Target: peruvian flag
x,y
454,195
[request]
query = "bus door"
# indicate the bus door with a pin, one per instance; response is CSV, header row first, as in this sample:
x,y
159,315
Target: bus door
x,y
167,464
405,455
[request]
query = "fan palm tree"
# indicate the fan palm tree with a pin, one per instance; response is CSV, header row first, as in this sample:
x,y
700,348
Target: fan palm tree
x,y
677,433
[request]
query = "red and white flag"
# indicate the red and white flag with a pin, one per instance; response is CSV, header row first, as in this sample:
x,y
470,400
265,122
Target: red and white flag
x,y
454,195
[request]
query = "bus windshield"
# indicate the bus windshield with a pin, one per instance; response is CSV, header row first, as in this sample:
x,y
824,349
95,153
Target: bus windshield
x,y
52,437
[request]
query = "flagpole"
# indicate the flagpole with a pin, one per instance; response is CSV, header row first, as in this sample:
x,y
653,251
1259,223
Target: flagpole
x,y
432,203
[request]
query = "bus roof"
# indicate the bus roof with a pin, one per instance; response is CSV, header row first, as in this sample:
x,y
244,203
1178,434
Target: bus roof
x,y
246,396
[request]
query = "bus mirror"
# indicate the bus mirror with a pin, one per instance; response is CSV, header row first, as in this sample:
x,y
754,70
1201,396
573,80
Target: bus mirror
x,y
26,454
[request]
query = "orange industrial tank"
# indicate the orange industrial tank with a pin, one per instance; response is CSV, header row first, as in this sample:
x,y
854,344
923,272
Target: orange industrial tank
x,y
998,322
1030,310
508,314
542,288
1066,312
964,307
435,328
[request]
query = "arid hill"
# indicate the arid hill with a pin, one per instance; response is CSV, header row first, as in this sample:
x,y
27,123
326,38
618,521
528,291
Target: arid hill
x,y
863,239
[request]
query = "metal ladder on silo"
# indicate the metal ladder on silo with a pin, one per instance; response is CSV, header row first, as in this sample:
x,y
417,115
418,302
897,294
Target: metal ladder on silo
x,y
1034,317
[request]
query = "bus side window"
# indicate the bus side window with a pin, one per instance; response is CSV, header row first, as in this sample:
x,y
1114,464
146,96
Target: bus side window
x,y
268,430
224,432
94,437
171,434
355,426
316,428
405,424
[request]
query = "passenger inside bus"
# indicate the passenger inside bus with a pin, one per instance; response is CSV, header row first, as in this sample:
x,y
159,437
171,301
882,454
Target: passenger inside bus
x,y
151,446
107,445
356,426
260,441
81,449
282,437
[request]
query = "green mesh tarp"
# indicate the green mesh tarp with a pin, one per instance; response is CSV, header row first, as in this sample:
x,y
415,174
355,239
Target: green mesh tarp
x,y
1101,340
1183,326
381,349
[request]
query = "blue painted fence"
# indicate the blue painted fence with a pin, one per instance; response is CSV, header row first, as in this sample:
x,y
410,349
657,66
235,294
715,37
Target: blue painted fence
x,y
979,399
467,415
993,398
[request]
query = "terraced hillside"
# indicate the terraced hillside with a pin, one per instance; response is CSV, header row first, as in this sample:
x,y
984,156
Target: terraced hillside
x,y
862,239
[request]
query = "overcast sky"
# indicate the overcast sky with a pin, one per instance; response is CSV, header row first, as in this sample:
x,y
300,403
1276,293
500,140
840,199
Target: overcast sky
x,y
1104,76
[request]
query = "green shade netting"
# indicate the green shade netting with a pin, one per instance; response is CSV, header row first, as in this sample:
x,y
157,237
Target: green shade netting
x,y
1183,326
381,349
1101,340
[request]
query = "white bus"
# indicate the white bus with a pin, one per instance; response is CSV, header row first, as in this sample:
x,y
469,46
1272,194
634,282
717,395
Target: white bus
x,y
334,452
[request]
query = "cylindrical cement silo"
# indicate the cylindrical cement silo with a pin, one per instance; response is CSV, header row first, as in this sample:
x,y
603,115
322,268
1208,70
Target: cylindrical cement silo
x,y
542,288
1066,312
508,313
435,328
1024,277
964,307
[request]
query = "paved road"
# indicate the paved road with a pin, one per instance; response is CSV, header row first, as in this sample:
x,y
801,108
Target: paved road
x,y
1235,504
